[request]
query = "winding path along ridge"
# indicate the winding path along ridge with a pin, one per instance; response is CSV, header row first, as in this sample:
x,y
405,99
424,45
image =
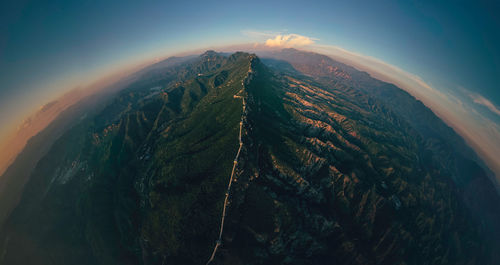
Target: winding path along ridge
x,y
235,162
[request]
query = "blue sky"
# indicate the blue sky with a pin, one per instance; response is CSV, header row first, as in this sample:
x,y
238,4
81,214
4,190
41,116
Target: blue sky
x,y
453,43
47,47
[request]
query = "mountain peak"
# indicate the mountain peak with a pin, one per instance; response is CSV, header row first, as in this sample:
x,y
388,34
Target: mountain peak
x,y
242,55
209,53
290,50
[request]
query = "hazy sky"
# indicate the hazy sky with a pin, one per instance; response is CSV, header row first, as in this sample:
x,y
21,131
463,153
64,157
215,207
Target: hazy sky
x,y
50,46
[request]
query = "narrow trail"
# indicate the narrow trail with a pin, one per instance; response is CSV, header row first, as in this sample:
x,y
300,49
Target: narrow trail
x,y
235,163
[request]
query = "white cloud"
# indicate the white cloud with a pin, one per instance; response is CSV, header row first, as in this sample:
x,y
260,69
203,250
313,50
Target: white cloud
x,y
289,40
478,99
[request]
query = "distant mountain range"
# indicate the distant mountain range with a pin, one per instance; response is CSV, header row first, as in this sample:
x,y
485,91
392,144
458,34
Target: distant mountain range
x,y
336,167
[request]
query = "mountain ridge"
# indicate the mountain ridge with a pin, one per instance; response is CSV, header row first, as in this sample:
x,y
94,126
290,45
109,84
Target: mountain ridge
x,y
328,173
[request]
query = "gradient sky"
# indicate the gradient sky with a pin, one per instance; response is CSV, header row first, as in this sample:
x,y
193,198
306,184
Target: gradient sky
x,y
47,47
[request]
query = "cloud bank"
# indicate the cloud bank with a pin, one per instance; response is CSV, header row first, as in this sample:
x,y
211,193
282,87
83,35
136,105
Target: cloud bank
x,y
478,99
289,40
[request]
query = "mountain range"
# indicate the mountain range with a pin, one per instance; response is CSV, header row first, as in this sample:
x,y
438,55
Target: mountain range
x,y
335,167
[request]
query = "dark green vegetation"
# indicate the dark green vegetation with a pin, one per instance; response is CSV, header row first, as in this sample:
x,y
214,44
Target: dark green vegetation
x,y
13,180
336,168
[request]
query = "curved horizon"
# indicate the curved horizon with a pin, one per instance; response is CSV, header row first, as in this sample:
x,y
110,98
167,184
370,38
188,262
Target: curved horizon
x,y
465,97
480,131
249,132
